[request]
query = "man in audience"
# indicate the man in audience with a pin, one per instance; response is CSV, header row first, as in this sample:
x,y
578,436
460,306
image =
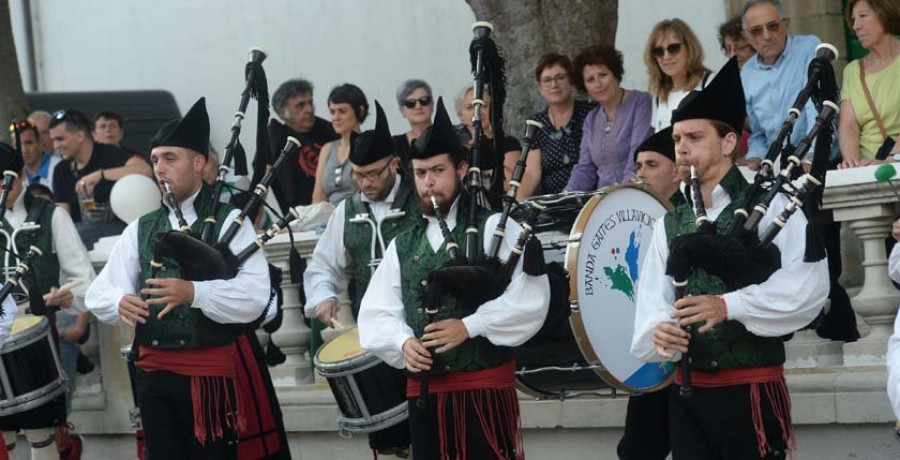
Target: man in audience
x,y
39,166
109,128
83,180
41,119
293,102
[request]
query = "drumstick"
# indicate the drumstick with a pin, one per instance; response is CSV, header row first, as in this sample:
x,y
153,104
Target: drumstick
x,y
66,287
337,324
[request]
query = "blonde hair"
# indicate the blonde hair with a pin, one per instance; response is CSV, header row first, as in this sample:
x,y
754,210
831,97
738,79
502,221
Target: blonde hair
x,y
660,83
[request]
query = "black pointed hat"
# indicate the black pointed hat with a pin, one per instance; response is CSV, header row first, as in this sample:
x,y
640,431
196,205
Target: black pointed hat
x,y
660,143
374,144
722,100
439,138
190,131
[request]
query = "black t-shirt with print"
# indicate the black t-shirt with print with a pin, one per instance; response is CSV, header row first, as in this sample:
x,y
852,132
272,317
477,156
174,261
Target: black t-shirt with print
x,y
296,179
104,156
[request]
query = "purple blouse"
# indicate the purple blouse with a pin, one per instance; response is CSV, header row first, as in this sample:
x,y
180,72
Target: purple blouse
x,y
607,158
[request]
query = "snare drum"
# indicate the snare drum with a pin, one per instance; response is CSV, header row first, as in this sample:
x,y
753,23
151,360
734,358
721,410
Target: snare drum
x,y
30,371
370,394
604,248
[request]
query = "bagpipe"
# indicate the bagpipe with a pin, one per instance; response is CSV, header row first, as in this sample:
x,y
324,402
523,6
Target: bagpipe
x,y
474,278
742,254
199,257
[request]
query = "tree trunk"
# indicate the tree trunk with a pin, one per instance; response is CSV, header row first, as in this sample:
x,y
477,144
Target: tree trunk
x,y
12,95
525,30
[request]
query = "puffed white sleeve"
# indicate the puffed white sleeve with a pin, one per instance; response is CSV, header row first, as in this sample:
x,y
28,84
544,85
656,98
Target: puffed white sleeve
x,y
382,318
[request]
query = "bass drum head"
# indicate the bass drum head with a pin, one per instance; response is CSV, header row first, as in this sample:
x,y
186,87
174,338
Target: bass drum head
x,y
609,241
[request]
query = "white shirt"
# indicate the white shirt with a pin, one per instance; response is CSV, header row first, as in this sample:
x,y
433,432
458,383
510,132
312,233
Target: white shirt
x,y
662,109
238,300
326,274
789,300
74,263
508,320
893,348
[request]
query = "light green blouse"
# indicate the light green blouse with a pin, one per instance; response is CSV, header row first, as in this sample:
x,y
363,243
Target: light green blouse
x,y
884,86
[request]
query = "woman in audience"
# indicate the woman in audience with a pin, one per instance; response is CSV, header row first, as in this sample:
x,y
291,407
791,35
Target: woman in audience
x,y
734,44
674,60
508,146
557,144
349,108
615,128
871,122
417,106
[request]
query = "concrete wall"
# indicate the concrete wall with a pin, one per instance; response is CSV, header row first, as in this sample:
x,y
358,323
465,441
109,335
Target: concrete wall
x,y
199,48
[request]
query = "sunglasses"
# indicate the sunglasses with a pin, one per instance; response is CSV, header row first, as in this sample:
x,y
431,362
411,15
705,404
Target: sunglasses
x,y
423,101
21,125
659,51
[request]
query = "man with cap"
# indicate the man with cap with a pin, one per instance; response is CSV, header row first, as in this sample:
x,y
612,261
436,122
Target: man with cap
x,y
471,409
359,229
64,259
740,407
185,330
646,433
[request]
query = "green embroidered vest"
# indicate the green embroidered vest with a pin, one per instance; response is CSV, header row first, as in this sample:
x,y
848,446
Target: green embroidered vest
x,y
184,326
358,235
417,260
729,344
45,268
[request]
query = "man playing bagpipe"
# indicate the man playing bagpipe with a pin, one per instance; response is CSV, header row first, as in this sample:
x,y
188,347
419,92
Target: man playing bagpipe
x,y
733,403
646,435
357,233
185,330
469,408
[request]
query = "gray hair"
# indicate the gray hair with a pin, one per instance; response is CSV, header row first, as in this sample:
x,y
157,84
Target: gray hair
x,y
40,114
782,14
289,89
406,88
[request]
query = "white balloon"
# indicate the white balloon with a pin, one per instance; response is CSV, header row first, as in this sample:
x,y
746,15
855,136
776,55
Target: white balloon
x,y
133,196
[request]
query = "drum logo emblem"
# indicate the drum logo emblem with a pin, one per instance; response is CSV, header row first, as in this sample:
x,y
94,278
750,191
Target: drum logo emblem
x,y
620,273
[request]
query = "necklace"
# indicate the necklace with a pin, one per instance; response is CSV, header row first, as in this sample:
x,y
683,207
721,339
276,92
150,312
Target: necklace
x,y
610,120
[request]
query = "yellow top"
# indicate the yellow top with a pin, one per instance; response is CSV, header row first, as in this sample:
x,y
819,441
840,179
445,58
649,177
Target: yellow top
x,y
344,347
885,90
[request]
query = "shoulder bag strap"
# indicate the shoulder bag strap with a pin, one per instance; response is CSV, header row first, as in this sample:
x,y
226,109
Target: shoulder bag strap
x,y
862,79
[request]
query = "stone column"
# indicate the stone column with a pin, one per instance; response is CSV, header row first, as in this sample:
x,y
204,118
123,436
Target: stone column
x,y
293,337
869,209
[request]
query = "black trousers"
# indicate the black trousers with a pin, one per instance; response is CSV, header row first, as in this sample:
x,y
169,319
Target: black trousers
x,y
717,424
646,427
168,420
425,435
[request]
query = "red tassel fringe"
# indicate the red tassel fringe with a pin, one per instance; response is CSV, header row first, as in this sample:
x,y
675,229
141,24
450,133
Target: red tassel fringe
x,y
206,393
777,394
497,411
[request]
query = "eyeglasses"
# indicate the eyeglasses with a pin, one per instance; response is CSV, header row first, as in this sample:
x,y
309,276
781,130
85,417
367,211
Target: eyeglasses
x,y
423,101
731,50
672,48
772,27
558,79
370,176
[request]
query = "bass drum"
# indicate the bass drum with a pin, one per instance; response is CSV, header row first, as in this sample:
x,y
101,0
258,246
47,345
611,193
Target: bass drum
x,y
585,344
